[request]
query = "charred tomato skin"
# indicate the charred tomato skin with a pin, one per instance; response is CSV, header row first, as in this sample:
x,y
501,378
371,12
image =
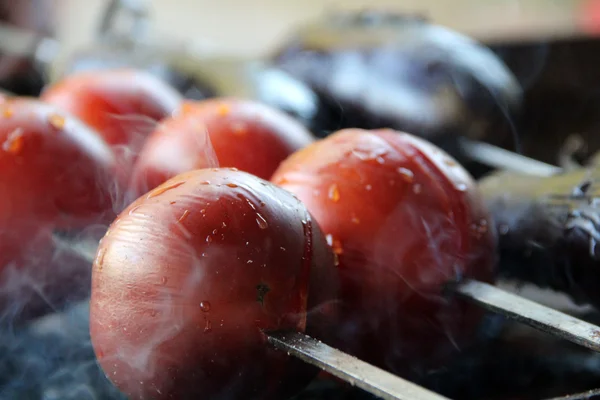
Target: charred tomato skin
x,y
403,219
224,132
192,273
123,105
57,174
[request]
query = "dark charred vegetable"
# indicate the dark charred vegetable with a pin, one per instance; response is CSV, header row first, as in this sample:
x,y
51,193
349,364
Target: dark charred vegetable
x,y
219,132
549,230
190,275
403,219
377,70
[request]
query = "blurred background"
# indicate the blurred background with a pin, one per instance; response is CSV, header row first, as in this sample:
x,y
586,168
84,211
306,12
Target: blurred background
x,y
254,27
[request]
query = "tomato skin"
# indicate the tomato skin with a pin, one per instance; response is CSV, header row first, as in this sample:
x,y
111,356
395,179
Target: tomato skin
x,y
54,168
403,219
56,174
189,276
242,134
123,105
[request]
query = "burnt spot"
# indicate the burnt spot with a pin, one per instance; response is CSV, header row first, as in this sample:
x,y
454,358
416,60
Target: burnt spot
x,y
261,291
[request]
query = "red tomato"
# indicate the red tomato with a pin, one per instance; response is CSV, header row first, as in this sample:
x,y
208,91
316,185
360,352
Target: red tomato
x,y
54,168
123,105
55,173
219,132
190,275
403,219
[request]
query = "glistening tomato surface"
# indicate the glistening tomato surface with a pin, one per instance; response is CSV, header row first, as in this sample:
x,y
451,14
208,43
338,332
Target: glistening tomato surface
x,y
403,219
225,132
55,174
190,275
123,105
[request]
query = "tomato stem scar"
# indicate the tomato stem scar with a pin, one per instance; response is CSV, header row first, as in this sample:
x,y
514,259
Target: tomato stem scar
x,y
261,291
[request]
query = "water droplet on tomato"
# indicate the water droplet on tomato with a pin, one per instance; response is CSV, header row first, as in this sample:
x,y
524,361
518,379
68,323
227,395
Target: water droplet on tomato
x,y
205,306
164,280
163,189
232,185
239,129
335,244
208,327
223,110
334,193
247,200
209,239
14,142
100,258
57,121
205,183
183,216
417,188
461,187
133,210
215,231
261,221
329,238
407,175
369,187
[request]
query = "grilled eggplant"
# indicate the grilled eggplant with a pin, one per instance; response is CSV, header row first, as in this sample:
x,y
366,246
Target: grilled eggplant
x,y
374,70
549,229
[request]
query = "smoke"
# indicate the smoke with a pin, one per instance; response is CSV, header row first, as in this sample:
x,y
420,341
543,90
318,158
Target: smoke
x,y
52,358
45,347
135,130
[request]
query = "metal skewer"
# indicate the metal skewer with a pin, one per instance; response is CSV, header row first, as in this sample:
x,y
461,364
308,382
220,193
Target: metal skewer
x,y
579,396
497,157
389,386
350,369
531,313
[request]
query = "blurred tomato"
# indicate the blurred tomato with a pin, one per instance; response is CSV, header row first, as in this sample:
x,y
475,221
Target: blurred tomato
x,y
53,167
123,105
56,174
219,132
